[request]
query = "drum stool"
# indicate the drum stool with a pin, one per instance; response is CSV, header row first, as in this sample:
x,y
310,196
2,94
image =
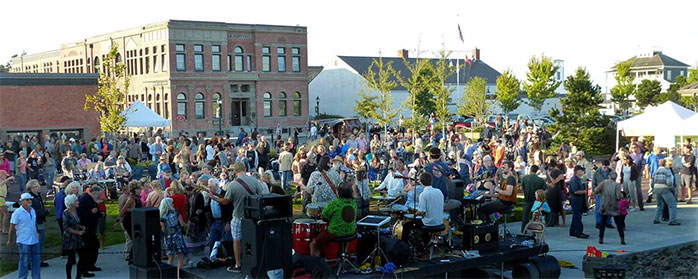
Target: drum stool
x,y
344,257
434,232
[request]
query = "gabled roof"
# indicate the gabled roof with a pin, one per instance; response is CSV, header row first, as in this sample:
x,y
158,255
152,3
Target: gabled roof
x,y
657,59
478,68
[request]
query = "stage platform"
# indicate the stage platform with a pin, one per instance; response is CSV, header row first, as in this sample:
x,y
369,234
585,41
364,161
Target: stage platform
x,y
437,267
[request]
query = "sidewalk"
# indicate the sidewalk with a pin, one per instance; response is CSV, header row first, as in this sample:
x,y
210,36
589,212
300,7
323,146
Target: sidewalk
x,y
640,235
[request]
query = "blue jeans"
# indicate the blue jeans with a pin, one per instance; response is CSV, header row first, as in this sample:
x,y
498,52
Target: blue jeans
x,y
598,215
27,253
576,227
286,176
218,233
22,181
49,175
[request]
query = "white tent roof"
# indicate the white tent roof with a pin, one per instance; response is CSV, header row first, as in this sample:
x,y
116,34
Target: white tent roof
x,y
690,126
138,115
662,119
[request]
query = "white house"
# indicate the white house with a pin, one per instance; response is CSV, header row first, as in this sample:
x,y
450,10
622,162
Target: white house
x,y
339,83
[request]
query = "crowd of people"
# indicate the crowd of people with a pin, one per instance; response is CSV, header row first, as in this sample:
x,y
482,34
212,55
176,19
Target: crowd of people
x,y
199,184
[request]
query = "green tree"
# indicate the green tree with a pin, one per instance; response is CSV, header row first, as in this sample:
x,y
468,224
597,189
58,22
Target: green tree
x,y
508,89
379,78
692,75
690,102
420,99
540,81
442,92
110,99
474,103
581,121
620,94
647,93
672,94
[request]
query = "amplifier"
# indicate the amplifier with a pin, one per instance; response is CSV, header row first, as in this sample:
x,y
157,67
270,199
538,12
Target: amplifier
x,y
269,206
481,237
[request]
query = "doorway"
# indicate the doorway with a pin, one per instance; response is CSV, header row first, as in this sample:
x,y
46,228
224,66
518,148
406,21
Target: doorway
x,y
238,112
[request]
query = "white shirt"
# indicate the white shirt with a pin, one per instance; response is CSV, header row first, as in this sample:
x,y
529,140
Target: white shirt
x,y
313,130
393,185
25,225
209,152
431,202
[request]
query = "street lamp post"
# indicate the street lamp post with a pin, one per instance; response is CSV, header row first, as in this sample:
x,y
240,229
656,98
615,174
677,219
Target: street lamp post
x,y
317,107
220,119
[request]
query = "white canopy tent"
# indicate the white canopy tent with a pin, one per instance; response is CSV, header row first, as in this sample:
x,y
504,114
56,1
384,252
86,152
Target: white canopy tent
x,y
664,122
139,115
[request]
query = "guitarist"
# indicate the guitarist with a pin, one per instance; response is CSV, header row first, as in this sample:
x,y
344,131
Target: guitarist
x,y
243,186
440,173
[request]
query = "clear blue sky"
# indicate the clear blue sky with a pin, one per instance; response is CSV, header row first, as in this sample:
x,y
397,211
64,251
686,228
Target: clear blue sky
x,y
593,34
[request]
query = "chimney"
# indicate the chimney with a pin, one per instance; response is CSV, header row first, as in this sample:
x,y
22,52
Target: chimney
x,y
403,53
476,54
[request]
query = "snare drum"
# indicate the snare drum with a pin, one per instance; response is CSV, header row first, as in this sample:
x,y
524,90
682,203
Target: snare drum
x,y
313,210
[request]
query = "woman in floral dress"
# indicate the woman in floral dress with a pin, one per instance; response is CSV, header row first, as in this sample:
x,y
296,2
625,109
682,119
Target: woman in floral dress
x,y
172,223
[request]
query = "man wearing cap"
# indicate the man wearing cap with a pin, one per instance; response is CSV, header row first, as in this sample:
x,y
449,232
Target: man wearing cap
x,y
581,161
24,223
600,175
577,194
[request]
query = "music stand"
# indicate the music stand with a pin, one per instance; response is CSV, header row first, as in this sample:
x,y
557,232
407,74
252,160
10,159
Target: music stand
x,y
376,222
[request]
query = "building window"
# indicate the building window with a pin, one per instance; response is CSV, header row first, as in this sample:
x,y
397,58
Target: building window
x,y
296,64
267,104
238,59
217,105
198,48
234,88
96,64
281,59
216,58
282,104
179,47
155,63
297,104
199,105
245,88
198,62
216,62
668,75
181,104
230,64
181,65
266,59
249,63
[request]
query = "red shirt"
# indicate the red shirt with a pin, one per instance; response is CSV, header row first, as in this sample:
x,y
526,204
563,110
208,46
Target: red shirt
x,y
180,204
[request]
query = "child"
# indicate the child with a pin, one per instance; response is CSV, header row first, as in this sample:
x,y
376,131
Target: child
x,y
539,209
623,205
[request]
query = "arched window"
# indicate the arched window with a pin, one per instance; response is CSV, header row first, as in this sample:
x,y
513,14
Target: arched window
x,y
282,104
96,64
267,104
199,106
296,103
182,104
238,59
217,105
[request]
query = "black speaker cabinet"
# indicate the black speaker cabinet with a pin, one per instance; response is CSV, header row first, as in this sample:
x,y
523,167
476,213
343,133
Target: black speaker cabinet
x,y
162,271
456,189
481,237
269,206
145,225
266,245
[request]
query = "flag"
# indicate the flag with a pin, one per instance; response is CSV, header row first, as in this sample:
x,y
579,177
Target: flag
x,y
468,61
460,34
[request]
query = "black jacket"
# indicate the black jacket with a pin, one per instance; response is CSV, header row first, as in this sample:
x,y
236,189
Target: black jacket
x,y
38,205
88,219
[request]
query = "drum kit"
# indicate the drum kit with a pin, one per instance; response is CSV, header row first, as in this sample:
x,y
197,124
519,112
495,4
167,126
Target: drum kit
x,y
304,232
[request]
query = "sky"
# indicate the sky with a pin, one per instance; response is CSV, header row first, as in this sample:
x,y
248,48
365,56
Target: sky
x,y
591,34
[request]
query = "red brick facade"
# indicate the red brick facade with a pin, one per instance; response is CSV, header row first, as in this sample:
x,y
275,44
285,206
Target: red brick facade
x,y
31,103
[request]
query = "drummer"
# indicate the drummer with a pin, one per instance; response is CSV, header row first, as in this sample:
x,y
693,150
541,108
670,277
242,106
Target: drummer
x,y
430,206
341,215
394,186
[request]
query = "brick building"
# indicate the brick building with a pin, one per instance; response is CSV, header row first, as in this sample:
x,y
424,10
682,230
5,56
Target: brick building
x,y
39,104
192,72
